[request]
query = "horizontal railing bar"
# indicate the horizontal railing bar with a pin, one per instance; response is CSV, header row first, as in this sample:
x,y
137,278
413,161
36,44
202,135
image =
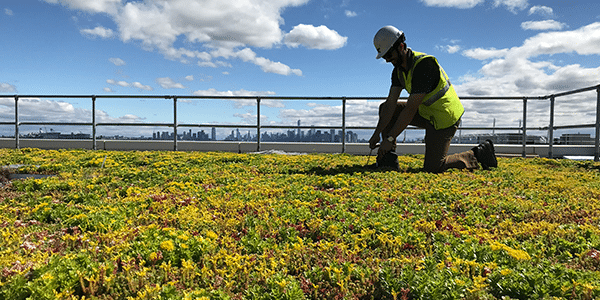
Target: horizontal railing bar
x,y
353,127
493,128
502,128
162,97
301,127
53,123
46,96
591,88
93,96
136,124
216,126
278,126
294,97
502,98
188,97
573,126
285,126
371,128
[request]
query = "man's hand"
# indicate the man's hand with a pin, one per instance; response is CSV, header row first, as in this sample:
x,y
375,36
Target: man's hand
x,y
373,141
385,147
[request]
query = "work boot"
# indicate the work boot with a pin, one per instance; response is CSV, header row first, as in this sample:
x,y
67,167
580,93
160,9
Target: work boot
x,y
389,160
485,155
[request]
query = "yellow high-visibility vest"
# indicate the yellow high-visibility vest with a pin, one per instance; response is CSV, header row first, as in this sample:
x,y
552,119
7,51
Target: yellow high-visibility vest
x,y
441,106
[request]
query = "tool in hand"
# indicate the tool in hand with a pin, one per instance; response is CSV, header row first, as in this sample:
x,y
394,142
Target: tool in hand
x,y
371,152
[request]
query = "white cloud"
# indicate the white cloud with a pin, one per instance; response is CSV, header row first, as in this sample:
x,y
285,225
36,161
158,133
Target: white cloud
x,y
214,64
127,84
247,55
449,48
141,86
243,102
8,12
453,48
119,83
483,54
312,37
583,41
108,90
242,92
453,3
517,61
512,5
117,61
148,24
358,113
216,24
543,25
521,70
168,83
95,6
7,88
98,31
47,110
250,118
350,13
189,78
541,10
57,111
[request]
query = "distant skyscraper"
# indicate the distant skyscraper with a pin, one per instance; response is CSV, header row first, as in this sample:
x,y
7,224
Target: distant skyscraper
x,y
213,134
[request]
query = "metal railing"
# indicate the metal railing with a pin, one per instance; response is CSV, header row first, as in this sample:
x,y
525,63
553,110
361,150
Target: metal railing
x,y
343,126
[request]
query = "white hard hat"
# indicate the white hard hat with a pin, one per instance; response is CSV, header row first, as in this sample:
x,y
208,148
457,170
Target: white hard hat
x,y
385,39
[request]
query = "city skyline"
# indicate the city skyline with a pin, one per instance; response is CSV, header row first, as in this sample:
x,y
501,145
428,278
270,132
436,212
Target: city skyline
x,y
315,136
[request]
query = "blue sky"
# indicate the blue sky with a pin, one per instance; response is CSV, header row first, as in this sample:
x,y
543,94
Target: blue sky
x,y
288,48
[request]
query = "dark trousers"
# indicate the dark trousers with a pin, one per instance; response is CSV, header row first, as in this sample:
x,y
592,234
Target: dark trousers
x,y
437,143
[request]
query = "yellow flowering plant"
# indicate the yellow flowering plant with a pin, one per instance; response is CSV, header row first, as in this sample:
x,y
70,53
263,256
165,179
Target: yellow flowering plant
x,y
191,225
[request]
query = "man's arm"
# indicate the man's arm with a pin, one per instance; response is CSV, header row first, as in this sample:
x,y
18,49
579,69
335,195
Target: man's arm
x,y
405,117
407,114
389,106
387,112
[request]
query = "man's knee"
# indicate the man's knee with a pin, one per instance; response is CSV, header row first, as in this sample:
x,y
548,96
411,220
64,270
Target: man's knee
x,y
389,106
381,108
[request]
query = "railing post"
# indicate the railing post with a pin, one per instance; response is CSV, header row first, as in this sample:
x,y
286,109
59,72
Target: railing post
x,y
524,127
344,125
17,122
174,123
258,124
94,123
597,138
551,128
